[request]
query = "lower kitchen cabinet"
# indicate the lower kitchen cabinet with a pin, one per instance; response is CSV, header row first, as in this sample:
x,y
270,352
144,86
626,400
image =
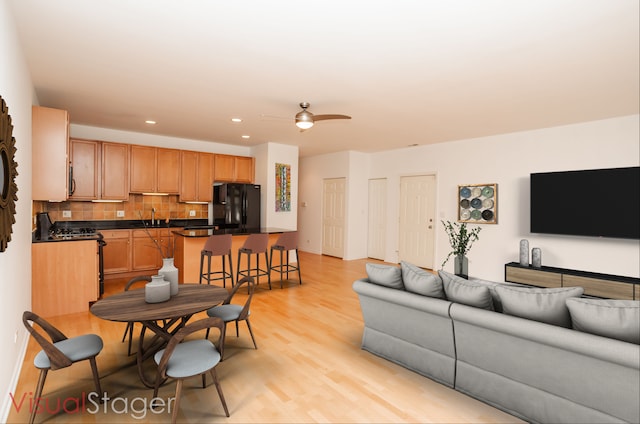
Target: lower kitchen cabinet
x,y
145,254
64,277
117,253
134,252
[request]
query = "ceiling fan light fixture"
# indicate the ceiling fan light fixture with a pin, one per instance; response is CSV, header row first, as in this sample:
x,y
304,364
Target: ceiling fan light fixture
x,y
304,120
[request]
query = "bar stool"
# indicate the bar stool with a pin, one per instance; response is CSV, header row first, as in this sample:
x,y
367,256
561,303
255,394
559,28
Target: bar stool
x,y
217,245
255,244
285,243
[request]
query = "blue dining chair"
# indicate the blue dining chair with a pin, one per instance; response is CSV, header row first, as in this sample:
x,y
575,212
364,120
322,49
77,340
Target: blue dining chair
x,y
183,359
231,312
59,351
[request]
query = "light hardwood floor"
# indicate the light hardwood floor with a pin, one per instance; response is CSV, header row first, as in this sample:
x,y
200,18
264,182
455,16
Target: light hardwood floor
x,y
308,367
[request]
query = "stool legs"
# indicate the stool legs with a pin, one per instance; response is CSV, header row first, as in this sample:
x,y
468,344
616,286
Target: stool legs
x,y
248,271
224,273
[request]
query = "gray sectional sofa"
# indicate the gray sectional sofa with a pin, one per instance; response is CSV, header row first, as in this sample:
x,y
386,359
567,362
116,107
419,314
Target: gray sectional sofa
x,y
543,355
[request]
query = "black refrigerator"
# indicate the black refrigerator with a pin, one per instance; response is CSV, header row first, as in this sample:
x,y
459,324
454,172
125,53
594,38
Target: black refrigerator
x,y
236,205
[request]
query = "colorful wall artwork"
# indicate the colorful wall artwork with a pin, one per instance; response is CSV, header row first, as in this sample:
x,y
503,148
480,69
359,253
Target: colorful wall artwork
x,y
478,203
283,187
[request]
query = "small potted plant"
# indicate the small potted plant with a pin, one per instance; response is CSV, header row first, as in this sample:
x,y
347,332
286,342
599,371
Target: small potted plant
x,y
461,239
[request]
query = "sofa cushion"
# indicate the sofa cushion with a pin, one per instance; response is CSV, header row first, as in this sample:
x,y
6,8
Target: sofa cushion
x,y
539,304
385,275
417,280
466,292
491,285
616,319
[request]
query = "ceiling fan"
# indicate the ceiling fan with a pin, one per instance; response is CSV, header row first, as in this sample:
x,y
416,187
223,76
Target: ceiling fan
x,y
306,119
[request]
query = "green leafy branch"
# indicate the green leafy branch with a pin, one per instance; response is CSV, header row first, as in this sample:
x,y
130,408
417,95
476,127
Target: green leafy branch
x,y
460,238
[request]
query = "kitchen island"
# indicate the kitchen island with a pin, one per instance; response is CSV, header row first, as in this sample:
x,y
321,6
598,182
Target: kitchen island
x,y
189,244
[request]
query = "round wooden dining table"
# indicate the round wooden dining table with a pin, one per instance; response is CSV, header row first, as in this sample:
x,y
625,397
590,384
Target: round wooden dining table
x,y
163,319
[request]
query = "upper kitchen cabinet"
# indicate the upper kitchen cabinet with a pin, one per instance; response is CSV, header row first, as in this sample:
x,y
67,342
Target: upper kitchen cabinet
x,y
239,169
115,171
50,154
154,170
99,170
196,176
84,170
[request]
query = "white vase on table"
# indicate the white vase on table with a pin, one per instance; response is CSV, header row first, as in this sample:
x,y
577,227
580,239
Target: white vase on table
x,y
170,273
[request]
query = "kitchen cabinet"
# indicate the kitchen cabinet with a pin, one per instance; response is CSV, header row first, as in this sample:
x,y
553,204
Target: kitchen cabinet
x,y
144,253
154,170
50,154
244,169
196,180
133,251
115,171
229,168
100,170
117,253
64,277
85,155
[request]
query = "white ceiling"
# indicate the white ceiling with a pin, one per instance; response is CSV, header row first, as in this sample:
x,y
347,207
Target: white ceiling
x,y
408,72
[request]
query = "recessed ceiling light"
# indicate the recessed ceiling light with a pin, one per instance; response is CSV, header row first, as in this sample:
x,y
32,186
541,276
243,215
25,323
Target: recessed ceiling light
x,y
236,120
246,136
150,122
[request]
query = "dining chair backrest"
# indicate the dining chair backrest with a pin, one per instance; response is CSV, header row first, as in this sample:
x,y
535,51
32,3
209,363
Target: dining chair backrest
x,y
251,286
56,357
138,279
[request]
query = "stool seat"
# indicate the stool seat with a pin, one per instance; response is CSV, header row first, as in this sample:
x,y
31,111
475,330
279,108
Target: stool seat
x,y
255,244
217,245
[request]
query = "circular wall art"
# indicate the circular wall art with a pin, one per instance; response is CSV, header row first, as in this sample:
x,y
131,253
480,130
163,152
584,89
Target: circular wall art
x,y
478,203
8,172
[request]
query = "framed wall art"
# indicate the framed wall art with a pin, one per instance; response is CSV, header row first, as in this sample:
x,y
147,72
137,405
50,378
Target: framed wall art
x,y
283,187
8,173
478,203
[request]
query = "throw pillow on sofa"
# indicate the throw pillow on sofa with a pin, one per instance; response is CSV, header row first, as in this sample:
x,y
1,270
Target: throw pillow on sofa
x,y
417,280
491,285
466,292
385,275
538,304
616,319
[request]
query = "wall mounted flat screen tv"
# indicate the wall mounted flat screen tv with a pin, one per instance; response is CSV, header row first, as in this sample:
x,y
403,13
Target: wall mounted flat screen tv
x,y
594,202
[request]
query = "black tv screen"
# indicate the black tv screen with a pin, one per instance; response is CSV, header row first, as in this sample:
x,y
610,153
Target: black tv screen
x,y
595,202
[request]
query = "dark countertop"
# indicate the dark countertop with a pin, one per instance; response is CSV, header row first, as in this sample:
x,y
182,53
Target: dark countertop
x,y
125,224
65,238
206,232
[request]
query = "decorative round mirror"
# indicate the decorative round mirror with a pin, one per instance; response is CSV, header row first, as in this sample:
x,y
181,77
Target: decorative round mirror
x,y
8,172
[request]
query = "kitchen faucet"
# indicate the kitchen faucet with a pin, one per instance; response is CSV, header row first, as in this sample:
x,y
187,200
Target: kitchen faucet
x,y
153,216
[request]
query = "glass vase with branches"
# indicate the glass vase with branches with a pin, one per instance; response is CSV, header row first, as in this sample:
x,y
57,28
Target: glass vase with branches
x,y
460,238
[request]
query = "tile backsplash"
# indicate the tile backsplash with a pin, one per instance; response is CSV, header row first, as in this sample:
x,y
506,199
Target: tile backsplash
x,y
166,207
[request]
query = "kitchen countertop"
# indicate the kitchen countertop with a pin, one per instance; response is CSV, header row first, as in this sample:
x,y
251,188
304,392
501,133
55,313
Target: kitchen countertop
x,y
206,232
126,224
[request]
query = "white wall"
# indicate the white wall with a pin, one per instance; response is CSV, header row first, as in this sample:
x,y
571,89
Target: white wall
x,y
15,262
267,156
507,160
313,171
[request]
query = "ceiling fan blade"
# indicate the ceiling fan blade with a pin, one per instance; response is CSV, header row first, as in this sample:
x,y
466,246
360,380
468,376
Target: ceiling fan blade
x,y
325,117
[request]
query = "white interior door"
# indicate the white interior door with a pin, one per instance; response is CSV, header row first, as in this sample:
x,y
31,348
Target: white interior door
x,y
333,217
377,219
417,220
